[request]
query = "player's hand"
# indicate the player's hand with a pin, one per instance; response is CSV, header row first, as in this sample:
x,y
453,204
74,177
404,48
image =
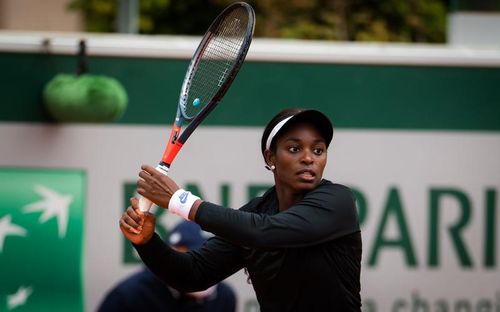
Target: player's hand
x,y
137,226
156,186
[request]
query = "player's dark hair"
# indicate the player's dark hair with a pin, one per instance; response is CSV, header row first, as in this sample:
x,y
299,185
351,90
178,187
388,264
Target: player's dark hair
x,y
272,123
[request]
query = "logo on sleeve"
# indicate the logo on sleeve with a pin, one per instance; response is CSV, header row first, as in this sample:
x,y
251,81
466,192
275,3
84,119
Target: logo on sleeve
x,y
183,197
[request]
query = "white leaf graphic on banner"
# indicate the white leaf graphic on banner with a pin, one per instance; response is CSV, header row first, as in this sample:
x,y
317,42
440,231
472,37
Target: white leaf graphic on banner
x,y
53,204
19,298
8,228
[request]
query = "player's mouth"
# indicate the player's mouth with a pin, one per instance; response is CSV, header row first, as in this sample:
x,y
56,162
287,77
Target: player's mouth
x,y
306,175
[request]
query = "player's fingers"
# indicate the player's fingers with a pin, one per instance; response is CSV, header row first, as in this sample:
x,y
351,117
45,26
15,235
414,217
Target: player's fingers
x,y
132,217
134,203
140,189
148,180
149,169
130,214
129,225
148,194
152,186
135,212
144,174
146,177
144,187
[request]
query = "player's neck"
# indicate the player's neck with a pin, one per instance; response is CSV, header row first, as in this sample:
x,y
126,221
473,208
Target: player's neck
x,y
286,197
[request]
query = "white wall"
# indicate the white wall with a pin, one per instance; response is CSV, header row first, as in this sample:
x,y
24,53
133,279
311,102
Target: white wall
x,y
413,162
474,29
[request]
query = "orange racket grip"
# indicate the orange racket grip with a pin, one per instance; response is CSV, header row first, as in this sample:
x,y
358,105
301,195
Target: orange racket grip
x,y
173,146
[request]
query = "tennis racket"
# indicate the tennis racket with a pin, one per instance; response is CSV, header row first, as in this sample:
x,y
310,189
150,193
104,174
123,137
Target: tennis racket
x,y
212,69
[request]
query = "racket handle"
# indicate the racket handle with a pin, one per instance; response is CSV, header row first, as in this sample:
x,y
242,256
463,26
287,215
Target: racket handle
x,y
144,203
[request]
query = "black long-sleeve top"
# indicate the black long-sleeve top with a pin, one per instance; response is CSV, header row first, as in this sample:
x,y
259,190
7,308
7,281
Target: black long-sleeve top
x,y
306,258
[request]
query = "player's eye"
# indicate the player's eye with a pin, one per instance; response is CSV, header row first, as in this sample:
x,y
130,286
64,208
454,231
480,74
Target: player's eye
x,y
293,149
318,151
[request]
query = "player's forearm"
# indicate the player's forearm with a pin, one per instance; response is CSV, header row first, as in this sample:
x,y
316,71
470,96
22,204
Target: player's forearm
x,y
175,268
312,221
252,229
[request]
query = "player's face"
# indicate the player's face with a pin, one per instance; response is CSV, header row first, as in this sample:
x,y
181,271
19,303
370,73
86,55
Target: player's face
x,y
300,158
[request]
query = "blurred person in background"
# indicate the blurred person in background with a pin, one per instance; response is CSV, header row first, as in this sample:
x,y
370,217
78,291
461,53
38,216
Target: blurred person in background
x,y
143,291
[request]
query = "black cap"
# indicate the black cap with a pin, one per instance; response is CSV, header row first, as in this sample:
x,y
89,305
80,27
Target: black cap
x,y
283,120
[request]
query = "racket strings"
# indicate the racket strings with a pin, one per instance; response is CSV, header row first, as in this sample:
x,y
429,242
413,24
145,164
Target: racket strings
x,y
218,58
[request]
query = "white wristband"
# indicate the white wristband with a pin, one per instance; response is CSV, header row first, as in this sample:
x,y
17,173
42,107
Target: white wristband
x,y
181,203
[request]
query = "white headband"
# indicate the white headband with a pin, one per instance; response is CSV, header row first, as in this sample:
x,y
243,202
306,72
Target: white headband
x,y
275,130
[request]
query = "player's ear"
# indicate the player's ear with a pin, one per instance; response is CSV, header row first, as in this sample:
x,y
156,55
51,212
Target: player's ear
x,y
269,157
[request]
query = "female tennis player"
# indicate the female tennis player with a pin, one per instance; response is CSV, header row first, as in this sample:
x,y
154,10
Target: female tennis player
x,y
300,242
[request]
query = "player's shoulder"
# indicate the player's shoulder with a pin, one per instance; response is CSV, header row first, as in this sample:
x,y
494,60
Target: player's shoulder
x,y
327,185
252,204
256,204
330,192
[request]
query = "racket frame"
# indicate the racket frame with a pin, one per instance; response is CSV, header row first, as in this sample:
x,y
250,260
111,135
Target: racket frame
x,y
177,139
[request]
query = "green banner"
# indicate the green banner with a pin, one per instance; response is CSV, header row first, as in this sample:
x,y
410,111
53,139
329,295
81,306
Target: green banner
x,y
41,239
353,95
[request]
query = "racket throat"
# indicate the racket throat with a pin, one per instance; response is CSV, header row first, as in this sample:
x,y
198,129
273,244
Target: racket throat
x,y
174,137
173,147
